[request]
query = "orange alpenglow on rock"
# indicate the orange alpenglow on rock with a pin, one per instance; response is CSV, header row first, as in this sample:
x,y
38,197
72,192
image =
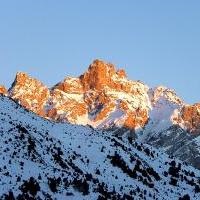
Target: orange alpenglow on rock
x,y
98,75
30,93
70,84
190,114
95,98
103,97
3,90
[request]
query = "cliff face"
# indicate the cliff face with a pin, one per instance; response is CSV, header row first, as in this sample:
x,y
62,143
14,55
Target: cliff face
x,y
30,93
3,90
101,75
111,99
104,97
190,118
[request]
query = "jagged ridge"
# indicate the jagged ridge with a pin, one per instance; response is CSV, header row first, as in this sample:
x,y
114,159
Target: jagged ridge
x,y
101,97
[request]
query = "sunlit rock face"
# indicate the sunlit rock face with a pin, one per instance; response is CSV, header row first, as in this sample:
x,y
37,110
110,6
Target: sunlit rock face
x,y
30,93
104,97
112,99
3,90
190,117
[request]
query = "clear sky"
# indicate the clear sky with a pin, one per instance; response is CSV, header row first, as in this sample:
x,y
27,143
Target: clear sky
x,y
155,41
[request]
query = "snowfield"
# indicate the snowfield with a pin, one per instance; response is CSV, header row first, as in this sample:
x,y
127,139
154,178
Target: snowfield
x,y
41,159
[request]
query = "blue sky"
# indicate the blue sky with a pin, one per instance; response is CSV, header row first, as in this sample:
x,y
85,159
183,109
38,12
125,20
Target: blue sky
x,y
157,42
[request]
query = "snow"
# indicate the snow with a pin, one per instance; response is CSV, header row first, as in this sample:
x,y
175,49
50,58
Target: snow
x,y
133,100
84,151
112,119
165,106
72,96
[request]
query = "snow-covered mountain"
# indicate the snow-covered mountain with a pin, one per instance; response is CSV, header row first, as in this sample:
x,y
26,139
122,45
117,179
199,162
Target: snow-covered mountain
x,y
104,98
101,97
42,159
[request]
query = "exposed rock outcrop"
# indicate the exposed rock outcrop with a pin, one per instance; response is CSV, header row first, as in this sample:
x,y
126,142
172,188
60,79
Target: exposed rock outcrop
x,y
104,97
30,93
190,115
3,90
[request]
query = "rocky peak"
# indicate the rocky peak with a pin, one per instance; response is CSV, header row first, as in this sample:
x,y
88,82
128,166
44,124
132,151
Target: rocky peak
x,y
189,118
70,85
3,90
161,93
20,78
121,73
30,92
99,75
103,97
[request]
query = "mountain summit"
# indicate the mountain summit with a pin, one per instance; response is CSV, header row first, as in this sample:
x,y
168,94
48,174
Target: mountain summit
x,y
104,97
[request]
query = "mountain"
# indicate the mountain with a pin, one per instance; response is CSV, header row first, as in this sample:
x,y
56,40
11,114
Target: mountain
x,y
43,159
104,98
100,97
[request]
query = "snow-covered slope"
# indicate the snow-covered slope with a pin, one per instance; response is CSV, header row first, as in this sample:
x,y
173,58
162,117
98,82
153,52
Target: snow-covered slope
x,y
175,141
41,159
167,131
